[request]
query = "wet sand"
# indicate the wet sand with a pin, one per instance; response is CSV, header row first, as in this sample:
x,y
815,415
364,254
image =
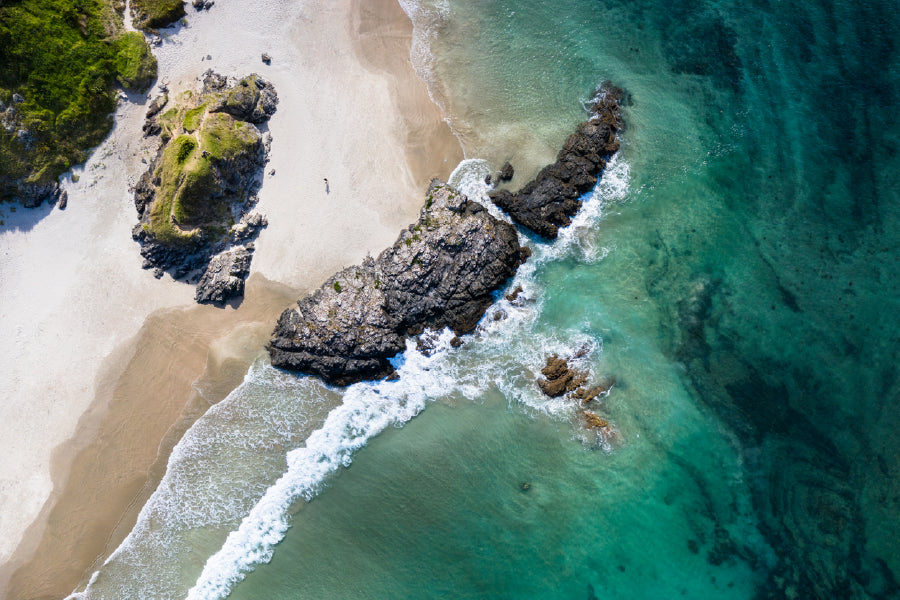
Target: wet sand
x,y
110,366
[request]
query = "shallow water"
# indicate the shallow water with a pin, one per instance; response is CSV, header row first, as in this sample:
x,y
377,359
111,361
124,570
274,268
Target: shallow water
x,y
736,271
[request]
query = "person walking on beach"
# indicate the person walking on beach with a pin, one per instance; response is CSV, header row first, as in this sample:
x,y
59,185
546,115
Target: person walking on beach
x,y
327,191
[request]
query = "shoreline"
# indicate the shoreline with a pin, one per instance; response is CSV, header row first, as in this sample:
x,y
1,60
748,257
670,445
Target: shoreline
x,y
120,436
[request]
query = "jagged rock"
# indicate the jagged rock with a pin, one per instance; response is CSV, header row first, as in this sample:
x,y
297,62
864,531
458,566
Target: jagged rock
x,y
514,295
550,200
439,273
157,105
202,4
506,172
63,199
266,58
560,379
206,172
252,99
224,276
17,98
32,195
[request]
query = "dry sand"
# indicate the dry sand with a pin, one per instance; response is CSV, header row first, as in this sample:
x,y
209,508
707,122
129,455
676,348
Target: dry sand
x,y
104,366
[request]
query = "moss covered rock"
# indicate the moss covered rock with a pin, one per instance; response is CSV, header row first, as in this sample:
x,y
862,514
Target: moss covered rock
x,y
194,201
150,15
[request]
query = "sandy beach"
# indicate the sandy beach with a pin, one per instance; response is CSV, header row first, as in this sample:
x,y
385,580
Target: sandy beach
x,y
105,366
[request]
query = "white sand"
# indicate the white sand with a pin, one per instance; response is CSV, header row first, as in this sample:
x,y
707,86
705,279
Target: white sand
x,y
72,288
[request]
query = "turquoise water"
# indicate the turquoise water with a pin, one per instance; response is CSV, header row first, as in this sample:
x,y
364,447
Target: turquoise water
x,y
736,271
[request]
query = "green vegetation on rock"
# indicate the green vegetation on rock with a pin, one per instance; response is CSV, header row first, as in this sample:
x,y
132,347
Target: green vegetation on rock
x,y
191,198
192,118
135,64
153,14
59,63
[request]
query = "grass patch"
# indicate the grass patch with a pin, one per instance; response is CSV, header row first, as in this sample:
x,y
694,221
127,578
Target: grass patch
x,y
192,118
64,58
135,64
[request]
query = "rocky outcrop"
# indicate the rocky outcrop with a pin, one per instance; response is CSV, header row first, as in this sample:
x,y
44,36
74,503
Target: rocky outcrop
x,y
195,201
439,273
561,379
224,276
550,200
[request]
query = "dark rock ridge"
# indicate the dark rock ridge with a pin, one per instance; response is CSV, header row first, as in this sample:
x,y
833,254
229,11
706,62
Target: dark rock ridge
x,y
550,200
195,202
440,272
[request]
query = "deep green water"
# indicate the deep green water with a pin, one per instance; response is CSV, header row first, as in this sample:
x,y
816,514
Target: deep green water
x,y
738,276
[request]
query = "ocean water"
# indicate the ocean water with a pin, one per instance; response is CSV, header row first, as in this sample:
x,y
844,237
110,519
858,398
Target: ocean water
x,y
736,270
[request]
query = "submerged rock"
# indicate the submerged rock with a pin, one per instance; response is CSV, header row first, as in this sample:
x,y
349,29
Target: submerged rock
x,y
194,202
550,200
439,273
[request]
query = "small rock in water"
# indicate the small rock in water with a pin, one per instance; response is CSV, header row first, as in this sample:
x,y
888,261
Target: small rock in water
x,y
506,172
266,59
456,342
514,295
525,486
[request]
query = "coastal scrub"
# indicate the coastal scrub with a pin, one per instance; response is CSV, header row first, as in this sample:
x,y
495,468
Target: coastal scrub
x,y
60,62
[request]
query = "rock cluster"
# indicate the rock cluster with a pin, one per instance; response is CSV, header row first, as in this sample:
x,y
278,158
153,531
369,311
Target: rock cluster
x,y
550,200
439,273
195,201
560,379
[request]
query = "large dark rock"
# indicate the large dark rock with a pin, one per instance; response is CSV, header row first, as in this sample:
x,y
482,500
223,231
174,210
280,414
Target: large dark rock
x,y
550,200
440,272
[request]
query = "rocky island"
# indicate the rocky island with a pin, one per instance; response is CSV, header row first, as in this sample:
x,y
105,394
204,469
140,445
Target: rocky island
x,y
439,273
195,200
550,200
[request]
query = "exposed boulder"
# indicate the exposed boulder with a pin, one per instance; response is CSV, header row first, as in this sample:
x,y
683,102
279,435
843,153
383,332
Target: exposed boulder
x,y
506,172
224,276
195,200
439,273
251,99
560,379
550,200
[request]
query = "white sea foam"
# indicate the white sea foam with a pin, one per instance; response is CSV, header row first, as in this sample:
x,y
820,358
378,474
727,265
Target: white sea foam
x,y
367,409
